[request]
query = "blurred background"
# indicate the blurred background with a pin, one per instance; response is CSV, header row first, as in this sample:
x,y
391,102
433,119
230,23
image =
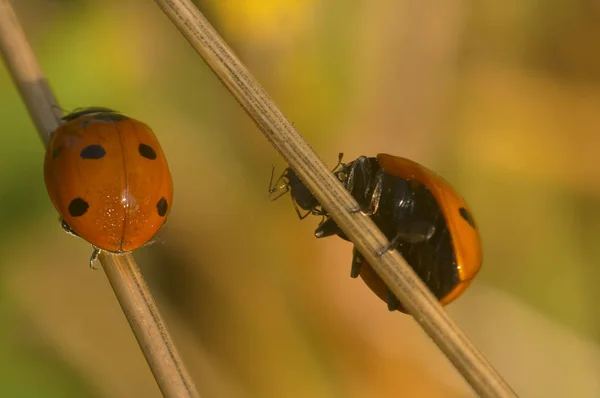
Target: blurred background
x,y
501,98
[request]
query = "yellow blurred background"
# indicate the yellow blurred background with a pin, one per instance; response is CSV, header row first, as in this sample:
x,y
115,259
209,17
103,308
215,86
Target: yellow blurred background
x,y
501,98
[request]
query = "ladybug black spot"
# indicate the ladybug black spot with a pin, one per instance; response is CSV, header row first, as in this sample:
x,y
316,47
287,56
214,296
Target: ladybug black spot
x,y
56,152
162,206
147,151
464,213
92,152
78,207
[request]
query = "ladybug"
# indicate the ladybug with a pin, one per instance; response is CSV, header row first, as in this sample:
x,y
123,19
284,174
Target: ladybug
x,y
422,216
109,180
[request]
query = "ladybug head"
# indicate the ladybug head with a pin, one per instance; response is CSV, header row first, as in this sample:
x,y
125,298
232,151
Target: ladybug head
x,y
86,111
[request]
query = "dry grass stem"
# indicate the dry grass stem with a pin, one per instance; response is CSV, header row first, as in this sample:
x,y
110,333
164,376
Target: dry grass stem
x,y
122,271
398,275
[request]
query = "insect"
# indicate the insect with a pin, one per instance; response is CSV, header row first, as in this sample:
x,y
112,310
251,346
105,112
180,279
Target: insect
x,y
421,214
109,180
302,198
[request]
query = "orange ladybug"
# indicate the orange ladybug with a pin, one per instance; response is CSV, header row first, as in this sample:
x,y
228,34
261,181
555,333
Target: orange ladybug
x,y
109,180
421,214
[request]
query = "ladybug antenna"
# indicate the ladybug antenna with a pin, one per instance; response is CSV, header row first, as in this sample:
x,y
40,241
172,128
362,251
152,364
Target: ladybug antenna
x,y
339,163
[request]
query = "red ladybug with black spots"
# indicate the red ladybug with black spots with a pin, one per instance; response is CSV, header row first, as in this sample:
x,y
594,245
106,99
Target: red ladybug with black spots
x,y
421,214
108,178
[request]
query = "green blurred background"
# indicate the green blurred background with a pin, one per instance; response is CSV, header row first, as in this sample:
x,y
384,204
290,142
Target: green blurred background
x,y
502,98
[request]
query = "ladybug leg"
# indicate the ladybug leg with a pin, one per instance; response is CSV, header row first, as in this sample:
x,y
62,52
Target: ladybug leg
x,y
390,246
360,175
67,228
357,260
360,168
392,300
94,257
154,240
357,175
417,232
375,197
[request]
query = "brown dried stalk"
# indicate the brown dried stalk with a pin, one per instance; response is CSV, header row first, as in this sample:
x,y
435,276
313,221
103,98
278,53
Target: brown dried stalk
x,y
397,274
